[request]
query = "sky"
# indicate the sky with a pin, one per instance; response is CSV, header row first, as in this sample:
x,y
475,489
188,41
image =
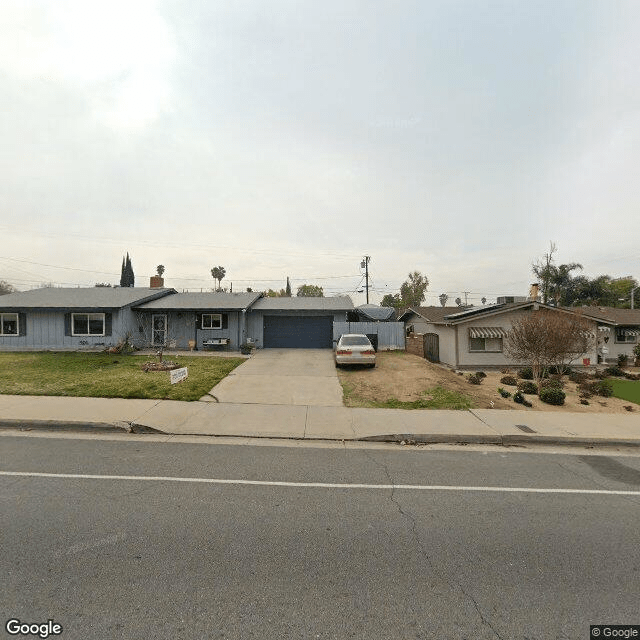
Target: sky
x,y
292,138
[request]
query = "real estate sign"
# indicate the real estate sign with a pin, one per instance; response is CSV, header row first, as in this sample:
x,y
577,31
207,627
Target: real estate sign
x,y
178,375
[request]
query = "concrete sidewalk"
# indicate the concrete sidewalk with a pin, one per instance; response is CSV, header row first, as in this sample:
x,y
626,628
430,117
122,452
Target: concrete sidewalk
x,y
484,426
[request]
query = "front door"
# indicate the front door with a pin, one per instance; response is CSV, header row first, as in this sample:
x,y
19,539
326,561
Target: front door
x,y
159,324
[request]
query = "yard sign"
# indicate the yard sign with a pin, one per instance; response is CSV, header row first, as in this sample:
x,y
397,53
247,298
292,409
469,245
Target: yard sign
x,y
178,375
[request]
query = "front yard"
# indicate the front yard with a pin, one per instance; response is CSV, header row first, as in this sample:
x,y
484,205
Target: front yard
x,y
402,380
103,375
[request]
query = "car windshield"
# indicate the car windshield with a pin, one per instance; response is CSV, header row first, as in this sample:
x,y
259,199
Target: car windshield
x,y
352,341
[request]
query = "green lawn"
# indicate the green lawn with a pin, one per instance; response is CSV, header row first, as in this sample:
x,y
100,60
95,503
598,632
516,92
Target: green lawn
x,y
435,398
626,389
102,375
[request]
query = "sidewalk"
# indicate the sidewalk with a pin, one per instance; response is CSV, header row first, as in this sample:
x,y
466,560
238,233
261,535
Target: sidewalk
x,y
483,426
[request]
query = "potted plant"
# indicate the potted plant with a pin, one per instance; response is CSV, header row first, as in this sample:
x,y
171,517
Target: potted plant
x,y
246,348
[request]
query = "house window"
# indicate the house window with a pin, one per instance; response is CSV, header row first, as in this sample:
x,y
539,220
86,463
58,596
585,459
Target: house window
x,y
212,321
626,335
490,345
87,324
8,324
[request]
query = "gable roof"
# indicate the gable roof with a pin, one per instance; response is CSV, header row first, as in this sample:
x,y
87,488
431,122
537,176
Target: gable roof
x,y
431,314
375,312
203,300
81,297
304,304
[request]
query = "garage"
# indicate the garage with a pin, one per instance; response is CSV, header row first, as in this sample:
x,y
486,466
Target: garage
x,y
298,332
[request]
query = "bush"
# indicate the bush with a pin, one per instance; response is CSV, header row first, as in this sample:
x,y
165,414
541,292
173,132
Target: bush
x,y
509,380
528,387
578,376
481,374
614,371
474,378
599,375
555,382
520,399
525,373
623,360
560,369
602,388
584,401
631,376
552,395
504,393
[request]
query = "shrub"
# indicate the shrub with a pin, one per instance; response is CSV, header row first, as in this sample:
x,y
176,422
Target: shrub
x,y
560,369
505,370
599,375
554,382
481,374
614,371
552,395
509,380
474,378
584,401
528,387
578,376
623,360
504,393
520,399
602,388
631,376
525,373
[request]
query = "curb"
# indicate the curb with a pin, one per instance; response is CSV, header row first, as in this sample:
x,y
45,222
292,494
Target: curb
x,y
67,425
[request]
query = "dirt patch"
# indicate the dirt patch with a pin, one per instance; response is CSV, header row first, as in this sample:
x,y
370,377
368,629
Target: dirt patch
x,y
405,377
165,365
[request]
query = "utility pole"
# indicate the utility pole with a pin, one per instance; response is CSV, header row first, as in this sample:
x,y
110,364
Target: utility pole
x,y
365,265
466,293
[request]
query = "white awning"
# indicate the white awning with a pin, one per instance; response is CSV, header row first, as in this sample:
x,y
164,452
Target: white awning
x,y
601,328
631,332
487,332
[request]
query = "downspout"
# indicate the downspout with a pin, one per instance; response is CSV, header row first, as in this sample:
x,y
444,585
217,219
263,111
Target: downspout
x,y
455,328
242,327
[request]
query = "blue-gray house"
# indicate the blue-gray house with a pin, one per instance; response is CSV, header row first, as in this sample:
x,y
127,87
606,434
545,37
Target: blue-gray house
x,y
98,317
68,319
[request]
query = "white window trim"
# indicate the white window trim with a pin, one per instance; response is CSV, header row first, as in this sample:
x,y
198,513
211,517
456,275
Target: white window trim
x,y
17,317
627,339
85,335
485,344
211,315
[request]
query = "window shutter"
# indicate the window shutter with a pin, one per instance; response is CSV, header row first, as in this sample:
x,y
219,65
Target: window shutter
x,y
67,324
22,324
108,323
225,321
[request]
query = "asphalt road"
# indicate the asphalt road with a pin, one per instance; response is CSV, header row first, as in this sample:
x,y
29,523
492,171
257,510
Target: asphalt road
x,y
158,558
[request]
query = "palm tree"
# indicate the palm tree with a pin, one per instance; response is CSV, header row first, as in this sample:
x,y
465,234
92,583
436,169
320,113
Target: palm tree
x,y
218,274
160,270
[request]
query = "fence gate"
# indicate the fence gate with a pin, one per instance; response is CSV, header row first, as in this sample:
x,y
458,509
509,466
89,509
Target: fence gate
x,y
432,347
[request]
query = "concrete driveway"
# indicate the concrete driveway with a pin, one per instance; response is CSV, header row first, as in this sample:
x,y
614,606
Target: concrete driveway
x,y
283,376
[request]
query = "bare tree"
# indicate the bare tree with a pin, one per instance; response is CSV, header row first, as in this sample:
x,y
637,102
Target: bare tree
x,y
5,287
545,338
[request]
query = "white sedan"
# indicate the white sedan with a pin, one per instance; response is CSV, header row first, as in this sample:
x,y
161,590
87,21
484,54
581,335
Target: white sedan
x,y
355,348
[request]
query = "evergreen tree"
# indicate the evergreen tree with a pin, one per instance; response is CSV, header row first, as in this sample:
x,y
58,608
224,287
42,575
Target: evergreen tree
x,y
127,278
123,278
288,289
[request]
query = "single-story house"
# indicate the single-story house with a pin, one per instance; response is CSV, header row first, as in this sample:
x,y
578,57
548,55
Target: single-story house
x,y
296,322
474,338
96,317
70,318
206,318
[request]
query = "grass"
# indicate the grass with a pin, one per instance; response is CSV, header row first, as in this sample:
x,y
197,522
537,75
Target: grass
x,y
101,375
626,390
434,398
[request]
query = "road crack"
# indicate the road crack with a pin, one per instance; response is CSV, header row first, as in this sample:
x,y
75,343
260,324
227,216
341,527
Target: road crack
x,y
414,531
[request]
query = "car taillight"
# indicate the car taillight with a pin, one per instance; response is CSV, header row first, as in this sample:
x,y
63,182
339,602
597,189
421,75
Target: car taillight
x,y
369,353
343,352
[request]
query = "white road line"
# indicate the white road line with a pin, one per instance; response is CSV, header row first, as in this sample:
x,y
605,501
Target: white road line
x,y
312,485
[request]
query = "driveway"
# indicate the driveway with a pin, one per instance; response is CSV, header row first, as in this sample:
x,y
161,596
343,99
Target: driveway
x,y
283,376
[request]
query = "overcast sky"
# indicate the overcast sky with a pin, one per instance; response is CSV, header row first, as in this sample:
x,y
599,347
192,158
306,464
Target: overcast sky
x,y
291,138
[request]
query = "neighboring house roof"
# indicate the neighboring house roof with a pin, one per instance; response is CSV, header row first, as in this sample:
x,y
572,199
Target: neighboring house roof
x,y
81,298
610,315
431,314
375,312
203,300
304,304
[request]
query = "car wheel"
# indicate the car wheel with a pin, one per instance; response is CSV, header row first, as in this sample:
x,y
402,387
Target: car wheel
x,y
372,366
